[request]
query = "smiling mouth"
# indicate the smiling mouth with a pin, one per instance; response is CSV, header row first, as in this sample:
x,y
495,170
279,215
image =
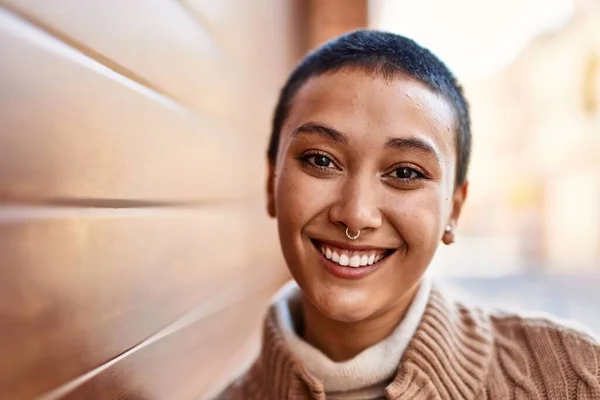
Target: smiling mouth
x,y
352,258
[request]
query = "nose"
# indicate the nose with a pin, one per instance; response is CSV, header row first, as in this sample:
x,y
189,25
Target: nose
x,y
357,208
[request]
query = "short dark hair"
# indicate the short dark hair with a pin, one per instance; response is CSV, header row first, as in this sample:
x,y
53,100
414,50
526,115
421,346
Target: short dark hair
x,y
388,55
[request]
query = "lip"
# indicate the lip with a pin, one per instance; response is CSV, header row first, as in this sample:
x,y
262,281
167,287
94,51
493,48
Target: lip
x,y
349,273
349,246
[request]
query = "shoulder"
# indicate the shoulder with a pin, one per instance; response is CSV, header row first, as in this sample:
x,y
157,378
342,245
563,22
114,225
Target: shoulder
x,y
518,328
563,355
529,329
538,355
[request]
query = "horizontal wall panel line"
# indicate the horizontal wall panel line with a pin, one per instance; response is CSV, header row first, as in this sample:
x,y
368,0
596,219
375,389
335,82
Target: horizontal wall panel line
x,y
189,68
225,299
113,203
82,54
20,212
87,51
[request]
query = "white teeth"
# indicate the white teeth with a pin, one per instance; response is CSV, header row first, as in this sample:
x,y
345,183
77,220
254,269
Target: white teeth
x,y
353,259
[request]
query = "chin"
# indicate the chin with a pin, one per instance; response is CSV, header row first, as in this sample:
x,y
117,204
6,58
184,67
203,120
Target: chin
x,y
343,304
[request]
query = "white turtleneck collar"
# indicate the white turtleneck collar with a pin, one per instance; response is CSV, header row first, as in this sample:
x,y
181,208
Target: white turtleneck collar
x,y
367,374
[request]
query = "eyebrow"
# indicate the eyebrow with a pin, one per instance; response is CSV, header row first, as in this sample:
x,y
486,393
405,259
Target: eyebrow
x,y
391,143
414,144
322,130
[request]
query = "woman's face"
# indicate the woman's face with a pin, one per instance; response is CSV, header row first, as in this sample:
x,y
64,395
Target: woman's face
x,y
369,154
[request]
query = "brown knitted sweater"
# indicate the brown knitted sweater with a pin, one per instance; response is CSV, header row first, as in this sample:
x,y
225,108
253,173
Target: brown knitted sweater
x,y
457,352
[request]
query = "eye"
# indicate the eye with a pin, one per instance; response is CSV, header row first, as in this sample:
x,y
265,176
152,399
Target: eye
x,y
318,160
321,161
407,173
406,177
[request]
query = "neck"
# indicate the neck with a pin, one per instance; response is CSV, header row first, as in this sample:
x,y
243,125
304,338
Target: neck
x,y
341,341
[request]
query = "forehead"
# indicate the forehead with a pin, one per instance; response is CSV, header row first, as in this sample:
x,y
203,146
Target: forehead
x,y
375,108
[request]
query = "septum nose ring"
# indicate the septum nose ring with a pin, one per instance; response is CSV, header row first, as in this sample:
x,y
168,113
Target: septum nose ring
x,y
350,236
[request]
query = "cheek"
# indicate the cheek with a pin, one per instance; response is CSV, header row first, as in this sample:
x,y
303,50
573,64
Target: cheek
x,y
418,216
299,196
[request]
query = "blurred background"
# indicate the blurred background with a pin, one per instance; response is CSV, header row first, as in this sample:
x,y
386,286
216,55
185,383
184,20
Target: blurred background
x,y
136,258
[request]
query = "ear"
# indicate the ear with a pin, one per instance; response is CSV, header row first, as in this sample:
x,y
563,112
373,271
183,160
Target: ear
x,y
458,200
271,189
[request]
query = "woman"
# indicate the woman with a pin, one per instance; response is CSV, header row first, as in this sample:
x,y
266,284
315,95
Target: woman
x,y
367,174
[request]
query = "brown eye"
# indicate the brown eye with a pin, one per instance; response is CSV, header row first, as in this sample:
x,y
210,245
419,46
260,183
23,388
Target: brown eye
x,y
407,173
319,160
322,161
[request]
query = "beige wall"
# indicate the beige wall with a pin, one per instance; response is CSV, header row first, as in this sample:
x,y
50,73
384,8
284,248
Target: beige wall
x,y
132,140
